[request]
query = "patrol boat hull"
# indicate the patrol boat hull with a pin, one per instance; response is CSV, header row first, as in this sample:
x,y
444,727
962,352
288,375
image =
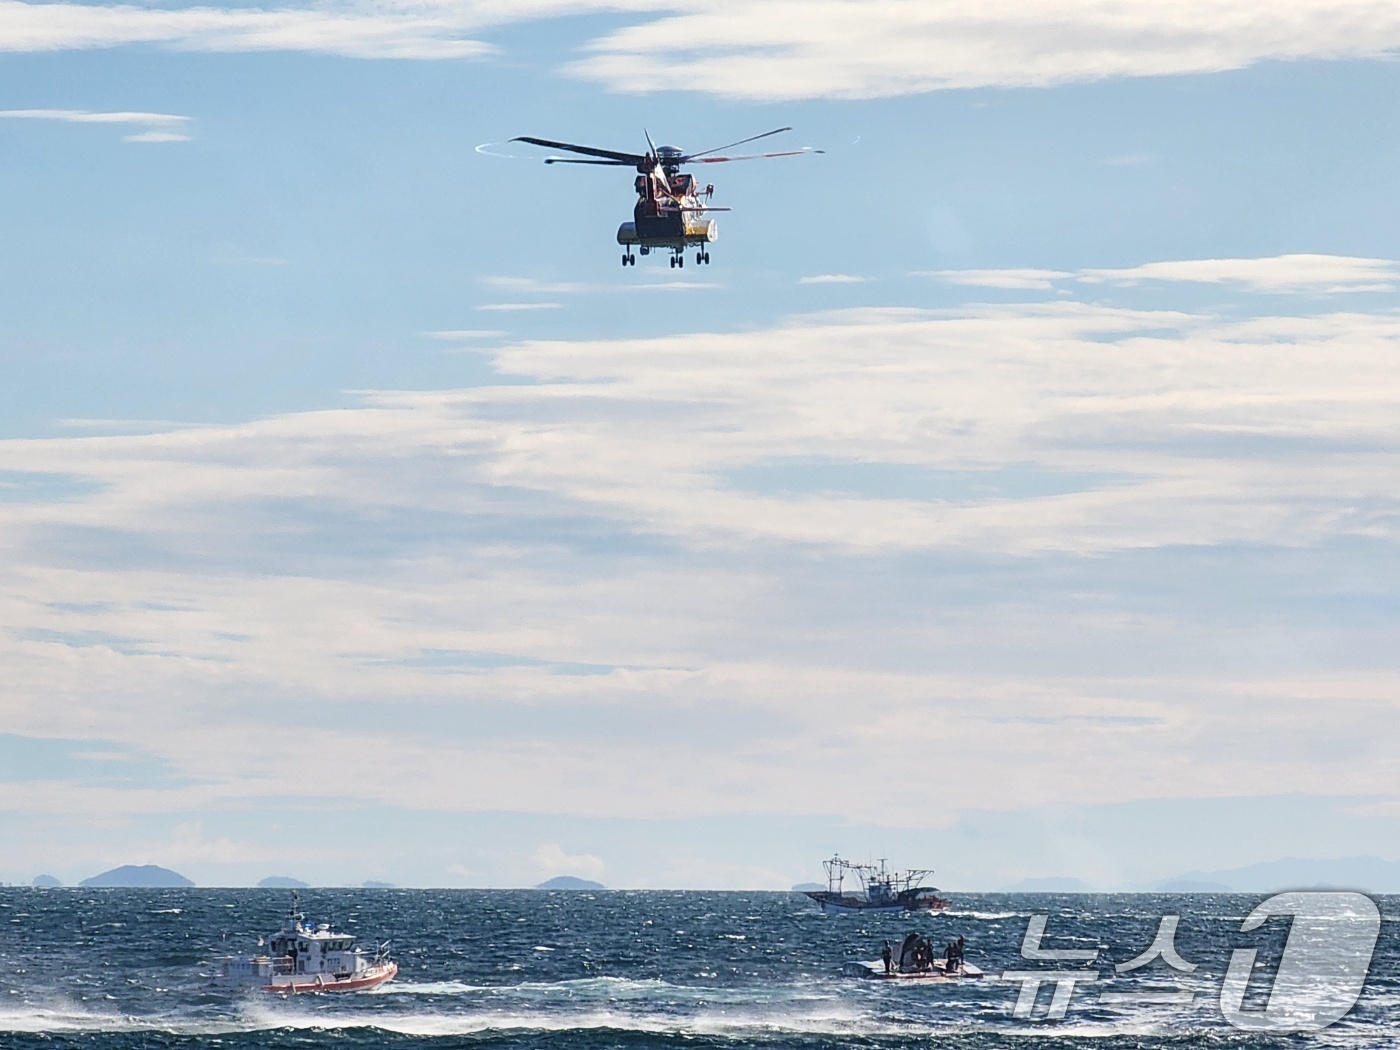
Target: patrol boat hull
x,y
305,959
308,984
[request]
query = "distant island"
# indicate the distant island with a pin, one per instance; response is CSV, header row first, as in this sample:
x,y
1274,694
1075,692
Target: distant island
x,y
569,882
46,882
282,882
138,876
1368,874
375,884
807,887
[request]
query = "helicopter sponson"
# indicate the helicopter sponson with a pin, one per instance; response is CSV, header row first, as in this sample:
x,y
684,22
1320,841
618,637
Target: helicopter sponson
x,y
693,232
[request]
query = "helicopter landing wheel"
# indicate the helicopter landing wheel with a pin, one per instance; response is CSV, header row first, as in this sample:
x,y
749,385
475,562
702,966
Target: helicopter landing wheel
x,y
673,262
680,261
624,259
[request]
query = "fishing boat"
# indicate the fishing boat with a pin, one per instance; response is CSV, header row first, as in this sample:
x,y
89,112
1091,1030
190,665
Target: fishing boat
x,y
305,958
877,889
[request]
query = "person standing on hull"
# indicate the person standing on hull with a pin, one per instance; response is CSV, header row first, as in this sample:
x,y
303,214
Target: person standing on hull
x,y
909,954
887,954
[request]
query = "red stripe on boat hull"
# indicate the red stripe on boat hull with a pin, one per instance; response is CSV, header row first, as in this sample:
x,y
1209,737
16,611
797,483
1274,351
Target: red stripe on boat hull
x,y
303,985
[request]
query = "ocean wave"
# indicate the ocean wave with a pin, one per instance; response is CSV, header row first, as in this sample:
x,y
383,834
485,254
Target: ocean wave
x,y
573,987
74,1020
835,1023
606,991
985,914
813,1018
429,988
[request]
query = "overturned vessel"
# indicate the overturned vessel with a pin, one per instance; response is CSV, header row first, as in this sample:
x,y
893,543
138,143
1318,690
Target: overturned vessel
x,y
877,888
915,959
305,958
938,972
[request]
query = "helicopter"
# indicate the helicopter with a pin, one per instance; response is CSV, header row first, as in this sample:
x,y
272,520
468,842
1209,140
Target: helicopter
x,y
669,214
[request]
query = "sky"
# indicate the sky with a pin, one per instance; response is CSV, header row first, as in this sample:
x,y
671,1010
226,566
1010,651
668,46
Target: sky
x,y
1013,495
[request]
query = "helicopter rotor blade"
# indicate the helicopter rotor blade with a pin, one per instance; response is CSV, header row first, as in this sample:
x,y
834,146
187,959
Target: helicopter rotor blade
x,y
756,156
657,170
587,151
575,160
731,145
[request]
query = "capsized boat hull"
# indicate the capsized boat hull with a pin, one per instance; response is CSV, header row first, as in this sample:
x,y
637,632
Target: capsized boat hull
x,y
937,975
316,984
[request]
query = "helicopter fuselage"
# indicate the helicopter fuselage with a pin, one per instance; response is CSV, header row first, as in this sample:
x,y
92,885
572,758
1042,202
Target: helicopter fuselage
x,y
668,216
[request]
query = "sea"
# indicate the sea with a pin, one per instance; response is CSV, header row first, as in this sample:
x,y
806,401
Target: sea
x,y
88,969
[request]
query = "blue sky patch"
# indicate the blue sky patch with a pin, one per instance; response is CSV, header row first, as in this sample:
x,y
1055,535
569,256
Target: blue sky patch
x,y
90,762
17,486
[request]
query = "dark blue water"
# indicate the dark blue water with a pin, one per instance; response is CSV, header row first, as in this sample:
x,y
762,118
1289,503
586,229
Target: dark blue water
x,y
128,969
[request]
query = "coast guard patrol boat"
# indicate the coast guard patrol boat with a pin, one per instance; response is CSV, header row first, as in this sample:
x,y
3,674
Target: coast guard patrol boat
x,y
305,958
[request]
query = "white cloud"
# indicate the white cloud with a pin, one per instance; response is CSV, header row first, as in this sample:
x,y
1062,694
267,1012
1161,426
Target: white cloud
x,y
188,845
833,278
770,49
161,127
1022,278
550,859
428,31
1280,273
789,49
537,596
86,116
156,136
